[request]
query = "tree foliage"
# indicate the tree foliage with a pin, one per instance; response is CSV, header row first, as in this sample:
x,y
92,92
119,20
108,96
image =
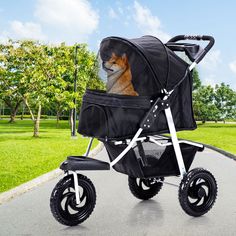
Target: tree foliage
x,y
10,77
218,103
225,101
43,76
196,80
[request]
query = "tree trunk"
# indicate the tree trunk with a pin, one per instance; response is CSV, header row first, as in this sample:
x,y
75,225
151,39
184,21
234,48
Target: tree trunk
x,y
58,118
37,122
12,117
71,120
14,111
23,111
31,113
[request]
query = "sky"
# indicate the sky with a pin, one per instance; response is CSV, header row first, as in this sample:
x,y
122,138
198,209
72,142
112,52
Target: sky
x,y
83,21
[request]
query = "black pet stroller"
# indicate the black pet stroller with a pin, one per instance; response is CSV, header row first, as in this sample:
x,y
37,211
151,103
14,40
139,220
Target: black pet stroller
x,y
132,130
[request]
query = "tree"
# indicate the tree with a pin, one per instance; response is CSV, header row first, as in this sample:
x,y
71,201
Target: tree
x,y
10,77
216,104
63,69
225,101
36,79
25,77
43,75
196,80
203,104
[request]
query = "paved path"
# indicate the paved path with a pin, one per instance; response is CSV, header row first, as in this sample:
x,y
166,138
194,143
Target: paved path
x,y
118,213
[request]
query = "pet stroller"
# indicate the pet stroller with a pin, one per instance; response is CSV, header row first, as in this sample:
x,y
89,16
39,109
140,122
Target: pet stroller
x,y
132,130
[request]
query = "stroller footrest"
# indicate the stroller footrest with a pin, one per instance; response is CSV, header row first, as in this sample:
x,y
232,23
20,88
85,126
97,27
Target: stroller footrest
x,y
83,163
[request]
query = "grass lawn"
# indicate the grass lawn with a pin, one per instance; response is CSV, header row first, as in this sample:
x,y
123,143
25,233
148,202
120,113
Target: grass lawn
x,y
219,135
23,157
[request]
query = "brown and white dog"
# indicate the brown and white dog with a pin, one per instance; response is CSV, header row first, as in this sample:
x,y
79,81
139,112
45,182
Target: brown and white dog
x,y
119,75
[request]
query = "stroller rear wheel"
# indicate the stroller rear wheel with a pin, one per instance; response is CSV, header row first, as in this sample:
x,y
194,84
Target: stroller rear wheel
x,y
197,192
144,188
63,201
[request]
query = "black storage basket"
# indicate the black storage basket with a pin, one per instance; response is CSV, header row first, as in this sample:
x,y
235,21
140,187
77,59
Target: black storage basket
x,y
160,161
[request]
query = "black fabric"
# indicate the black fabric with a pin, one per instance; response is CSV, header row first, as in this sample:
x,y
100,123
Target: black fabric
x,y
129,164
153,65
161,161
102,98
111,116
112,120
84,163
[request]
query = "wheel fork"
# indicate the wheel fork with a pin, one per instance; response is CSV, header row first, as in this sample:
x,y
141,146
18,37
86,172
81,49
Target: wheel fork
x,y
77,194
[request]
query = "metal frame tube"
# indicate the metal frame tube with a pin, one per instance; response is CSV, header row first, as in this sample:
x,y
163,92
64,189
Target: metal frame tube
x,y
76,184
192,66
127,148
175,142
168,183
170,143
89,146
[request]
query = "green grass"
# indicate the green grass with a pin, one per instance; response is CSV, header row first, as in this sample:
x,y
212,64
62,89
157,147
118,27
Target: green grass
x,y
23,157
219,135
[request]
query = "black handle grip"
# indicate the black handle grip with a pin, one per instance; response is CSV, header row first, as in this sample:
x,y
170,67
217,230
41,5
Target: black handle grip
x,y
196,37
207,48
185,37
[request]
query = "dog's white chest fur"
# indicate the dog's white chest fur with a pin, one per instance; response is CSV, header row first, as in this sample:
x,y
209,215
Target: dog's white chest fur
x,y
112,78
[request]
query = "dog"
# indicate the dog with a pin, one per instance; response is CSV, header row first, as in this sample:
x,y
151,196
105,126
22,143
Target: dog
x,y
119,75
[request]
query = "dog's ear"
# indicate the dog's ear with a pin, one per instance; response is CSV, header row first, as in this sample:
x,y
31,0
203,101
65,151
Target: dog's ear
x,y
124,58
113,54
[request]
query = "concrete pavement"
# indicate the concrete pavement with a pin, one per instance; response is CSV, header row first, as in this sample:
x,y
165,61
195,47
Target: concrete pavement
x,y
117,212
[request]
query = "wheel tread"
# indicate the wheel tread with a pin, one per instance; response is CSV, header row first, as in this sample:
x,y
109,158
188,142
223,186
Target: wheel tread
x,y
141,194
183,191
53,199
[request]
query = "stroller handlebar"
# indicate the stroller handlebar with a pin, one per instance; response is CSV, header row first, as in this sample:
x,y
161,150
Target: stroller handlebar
x,y
196,37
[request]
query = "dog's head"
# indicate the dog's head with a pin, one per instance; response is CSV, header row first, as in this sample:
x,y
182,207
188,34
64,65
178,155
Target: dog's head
x,y
116,63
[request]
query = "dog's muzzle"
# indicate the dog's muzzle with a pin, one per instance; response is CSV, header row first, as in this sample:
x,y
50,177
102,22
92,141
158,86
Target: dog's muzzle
x,y
105,68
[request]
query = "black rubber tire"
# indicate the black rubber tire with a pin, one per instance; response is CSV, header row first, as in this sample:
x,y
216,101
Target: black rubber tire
x,y
152,187
197,184
88,200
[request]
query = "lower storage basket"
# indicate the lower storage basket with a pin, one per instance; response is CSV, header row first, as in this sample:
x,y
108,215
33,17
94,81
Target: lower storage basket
x,y
160,161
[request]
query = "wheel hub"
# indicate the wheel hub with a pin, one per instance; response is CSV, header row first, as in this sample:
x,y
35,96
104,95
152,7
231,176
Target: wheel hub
x,y
201,192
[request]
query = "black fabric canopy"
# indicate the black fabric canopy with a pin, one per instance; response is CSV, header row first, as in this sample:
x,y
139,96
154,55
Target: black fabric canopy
x,y
153,66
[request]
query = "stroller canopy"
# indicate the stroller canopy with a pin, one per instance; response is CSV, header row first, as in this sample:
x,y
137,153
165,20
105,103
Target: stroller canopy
x,y
153,66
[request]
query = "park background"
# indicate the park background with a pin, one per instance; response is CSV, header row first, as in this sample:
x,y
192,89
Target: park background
x,y
39,57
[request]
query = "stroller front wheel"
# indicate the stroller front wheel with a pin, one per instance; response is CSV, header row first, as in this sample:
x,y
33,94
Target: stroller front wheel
x,y
144,189
63,201
197,192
